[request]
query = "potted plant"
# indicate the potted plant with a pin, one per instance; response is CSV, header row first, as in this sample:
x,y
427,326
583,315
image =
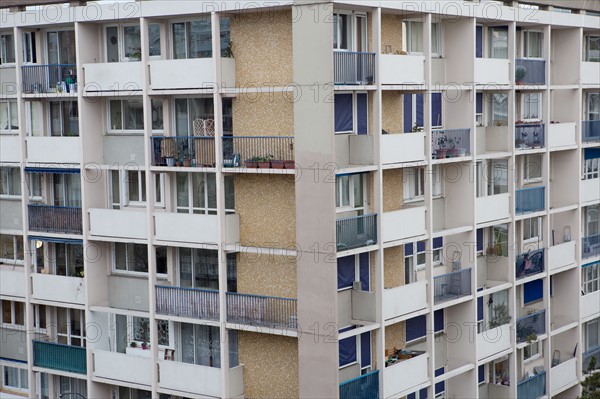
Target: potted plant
x,y
520,73
277,164
443,144
145,345
265,162
252,162
501,316
187,159
289,164
453,151
133,344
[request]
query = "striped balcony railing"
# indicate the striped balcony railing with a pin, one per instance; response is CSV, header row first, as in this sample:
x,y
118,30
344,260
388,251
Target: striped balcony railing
x,y
262,311
187,302
46,78
532,388
529,136
450,143
188,151
529,200
590,246
534,70
590,130
530,263
356,232
452,285
529,327
59,357
364,387
353,68
247,151
587,358
55,219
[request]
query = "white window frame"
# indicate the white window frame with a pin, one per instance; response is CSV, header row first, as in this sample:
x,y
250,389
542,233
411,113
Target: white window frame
x,y
588,335
131,334
69,336
337,32
3,39
355,111
410,180
22,374
13,314
526,46
436,35
592,114
191,209
591,215
352,207
591,169
128,248
160,39
120,41
69,260
58,32
11,104
356,275
535,350
591,278
528,176
63,130
526,98
492,39
529,229
16,260
29,57
112,128
5,171
123,200
495,109
586,44
172,37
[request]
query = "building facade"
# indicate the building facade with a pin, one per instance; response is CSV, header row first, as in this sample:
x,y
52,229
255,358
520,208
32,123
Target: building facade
x,y
311,199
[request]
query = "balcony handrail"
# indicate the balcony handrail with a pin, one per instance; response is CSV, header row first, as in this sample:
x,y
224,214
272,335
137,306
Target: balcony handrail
x,y
530,188
183,137
256,137
188,289
588,133
350,390
262,296
56,344
46,65
353,52
260,310
543,311
355,217
451,273
53,206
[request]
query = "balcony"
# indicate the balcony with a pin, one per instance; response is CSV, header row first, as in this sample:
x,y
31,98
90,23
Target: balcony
x,y
113,76
531,326
590,73
450,143
587,357
589,190
402,148
529,136
530,200
123,367
411,66
563,375
187,302
12,282
492,139
275,152
403,224
125,292
562,135
10,148
590,246
262,311
530,263
353,68
533,387
8,81
187,151
492,207
400,377
53,150
174,74
356,232
14,343
48,287
395,305
493,341
491,71
450,286
366,386
199,380
59,357
184,227
118,223
354,150
590,131
55,219
45,78
530,71
561,255
589,306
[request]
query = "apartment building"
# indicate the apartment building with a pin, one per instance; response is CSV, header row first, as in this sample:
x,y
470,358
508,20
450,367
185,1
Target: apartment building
x,y
316,199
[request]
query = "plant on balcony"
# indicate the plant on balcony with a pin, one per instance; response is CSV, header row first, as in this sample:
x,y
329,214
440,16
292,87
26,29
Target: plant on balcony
x,y
265,162
133,344
590,387
520,73
228,50
252,162
531,338
501,316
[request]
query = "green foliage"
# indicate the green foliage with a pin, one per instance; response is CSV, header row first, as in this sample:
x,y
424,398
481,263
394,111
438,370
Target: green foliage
x,y
590,387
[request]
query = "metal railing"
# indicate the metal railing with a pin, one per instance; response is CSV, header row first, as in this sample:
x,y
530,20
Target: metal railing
x,y
46,78
189,151
535,71
452,285
591,130
356,231
529,136
59,357
529,327
352,68
55,219
529,263
529,200
532,388
187,302
263,311
587,358
590,246
365,386
247,151
451,143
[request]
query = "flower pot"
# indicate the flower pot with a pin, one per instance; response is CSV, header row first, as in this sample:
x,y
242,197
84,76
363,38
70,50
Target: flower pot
x,y
251,164
277,164
453,152
462,152
289,164
440,154
264,165
170,161
187,162
519,82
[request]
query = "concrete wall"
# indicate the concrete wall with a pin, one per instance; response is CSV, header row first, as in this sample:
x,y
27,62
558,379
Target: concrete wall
x,y
123,149
393,190
391,33
128,293
391,111
395,336
264,114
393,267
263,274
11,217
13,344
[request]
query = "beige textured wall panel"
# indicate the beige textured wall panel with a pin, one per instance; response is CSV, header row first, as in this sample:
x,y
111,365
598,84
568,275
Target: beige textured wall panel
x,y
263,114
395,336
270,365
392,190
266,205
391,33
262,47
391,111
266,274
393,267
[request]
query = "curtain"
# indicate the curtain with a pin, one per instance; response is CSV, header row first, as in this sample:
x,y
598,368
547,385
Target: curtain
x,y
365,349
347,351
415,328
479,41
343,112
361,113
345,266
533,291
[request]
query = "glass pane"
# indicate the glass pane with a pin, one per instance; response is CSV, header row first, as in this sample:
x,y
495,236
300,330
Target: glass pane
x,y
6,312
115,189
70,118
199,39
116,121
199,191
67,47
141,329
7,247
187,343
131,42
14,115
4,121
416,37
157,114
133,113
19,313
61,259
62,320
182,191
179,40
53,48
112,44
41,316
133,185
229,193
435,38
358,191
212,190
24,378
55,119
499,43
181,117
500,109
11,377
8,49
161,260
593,49
140,258
120,256
153,39
225,38
157,189
185,267
163,332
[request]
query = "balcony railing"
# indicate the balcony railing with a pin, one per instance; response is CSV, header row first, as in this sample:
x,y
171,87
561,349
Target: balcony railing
x,y
590,246
587,357
188,151
55,219
450,143
48,78
529,327
530,200
534,71
530,263
59,357
591,130
364,387
532,388
356,232
262,311
451,286
352,68
259,151
187,302
529,136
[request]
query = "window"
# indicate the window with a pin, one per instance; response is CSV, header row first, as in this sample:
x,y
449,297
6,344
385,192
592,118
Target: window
x,y
414,105
351,113
132,393
593,106
192,39
353,268
342,29
34,186
29,53
499,110
188,110
201,345
479,109
10,182
413,31
532,351
533,42
129,257
71,387
70,327
592,333
199,268
531,106
66,189
492,177
350,192
39,317
153,39
591,278
9,116
15,378
591,220
13,313
68,260
197,193
141,330
498,42
128,115
414,183
64,118
532,168
128,188
436,39
61,47
590,168
7,48
498,371
123,43
11,249
592,48
532,229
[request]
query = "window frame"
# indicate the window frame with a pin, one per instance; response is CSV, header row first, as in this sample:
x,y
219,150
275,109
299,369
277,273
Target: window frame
x,y
132,334
150,44
124,195
13,314
70,336
120,42
410,180
16,260
527,46
8,173
11,105
189,182
532,230
352,206
588,335
187,38
591,168
591,279
528,176
58,32
130,256
112,129
355,112
535,352
29,48
22,374
4,51
496,39
61,103
586,43
525,100
592,114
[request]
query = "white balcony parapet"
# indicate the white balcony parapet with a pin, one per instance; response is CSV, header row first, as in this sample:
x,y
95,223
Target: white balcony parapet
x,y
199,380
54,149
395,303
402,69
113,76
174,74
123,367
589,190
118,223
183,227
402,148
403,224
590,305
49,287
10,148
590,73
492,207
491,71
561,255
12,282
493,341
404,375
561,135
563,375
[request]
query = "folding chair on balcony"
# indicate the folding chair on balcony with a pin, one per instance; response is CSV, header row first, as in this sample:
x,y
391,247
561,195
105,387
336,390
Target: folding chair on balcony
x,y
556,358
204,148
